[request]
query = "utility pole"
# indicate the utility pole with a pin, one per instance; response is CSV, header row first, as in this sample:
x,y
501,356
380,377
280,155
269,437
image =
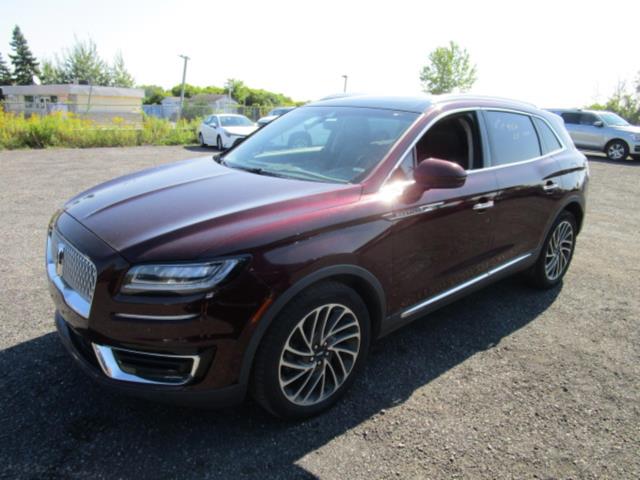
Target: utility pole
x,y
345,83
184,78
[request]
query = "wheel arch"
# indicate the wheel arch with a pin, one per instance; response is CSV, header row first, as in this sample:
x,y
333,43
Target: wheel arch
x,y
576,209
361,280
617,139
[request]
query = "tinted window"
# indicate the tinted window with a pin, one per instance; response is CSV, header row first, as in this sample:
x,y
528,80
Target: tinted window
x,y
548,139
588,119
405,170
571,117
512,137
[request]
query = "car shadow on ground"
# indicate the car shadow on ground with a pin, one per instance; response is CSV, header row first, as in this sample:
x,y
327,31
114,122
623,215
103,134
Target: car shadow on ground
x,y
57,423
601,158
200,149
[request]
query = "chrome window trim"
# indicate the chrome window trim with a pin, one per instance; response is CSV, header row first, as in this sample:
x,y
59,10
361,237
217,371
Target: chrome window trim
x,y
135,316
478,109
109,365
419,306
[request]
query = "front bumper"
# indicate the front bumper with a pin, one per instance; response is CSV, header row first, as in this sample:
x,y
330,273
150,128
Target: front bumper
x,y
180,349
213,398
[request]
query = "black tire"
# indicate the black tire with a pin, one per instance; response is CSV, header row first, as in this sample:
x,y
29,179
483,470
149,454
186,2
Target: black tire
x,y
617,150
201,140
268,369
219,145
538,274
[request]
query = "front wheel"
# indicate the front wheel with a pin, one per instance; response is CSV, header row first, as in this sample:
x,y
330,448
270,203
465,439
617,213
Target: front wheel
x,y
617,150
556,254
312,352
219,144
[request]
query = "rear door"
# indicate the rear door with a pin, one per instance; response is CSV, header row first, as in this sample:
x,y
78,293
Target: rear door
x,y
572,122
522,154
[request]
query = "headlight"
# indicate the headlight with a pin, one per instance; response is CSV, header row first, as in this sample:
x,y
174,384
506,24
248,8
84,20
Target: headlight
x,y
636,137
177,278
226,132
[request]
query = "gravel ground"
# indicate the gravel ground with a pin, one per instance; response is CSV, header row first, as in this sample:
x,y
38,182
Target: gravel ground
x,y
507,383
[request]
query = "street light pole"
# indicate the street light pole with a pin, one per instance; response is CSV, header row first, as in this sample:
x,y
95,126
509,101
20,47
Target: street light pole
x,y
345,83
184,78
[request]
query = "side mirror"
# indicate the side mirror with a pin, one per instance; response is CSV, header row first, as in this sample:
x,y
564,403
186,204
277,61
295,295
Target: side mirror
x,y
437,173
598,123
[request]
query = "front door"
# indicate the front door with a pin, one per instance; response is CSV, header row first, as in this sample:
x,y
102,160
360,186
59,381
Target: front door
x,y
444,237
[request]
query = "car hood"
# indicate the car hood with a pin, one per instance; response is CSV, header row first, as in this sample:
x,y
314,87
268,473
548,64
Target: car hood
x,y
629,128
199,208
241,130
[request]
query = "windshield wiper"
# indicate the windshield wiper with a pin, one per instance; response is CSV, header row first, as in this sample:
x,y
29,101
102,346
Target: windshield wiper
x,y
257,170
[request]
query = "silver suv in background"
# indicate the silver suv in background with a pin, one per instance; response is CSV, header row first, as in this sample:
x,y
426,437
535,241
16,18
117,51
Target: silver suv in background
x,y
602,131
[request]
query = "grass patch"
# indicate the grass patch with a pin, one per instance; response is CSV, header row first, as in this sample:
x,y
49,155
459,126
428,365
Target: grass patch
x,y
68,130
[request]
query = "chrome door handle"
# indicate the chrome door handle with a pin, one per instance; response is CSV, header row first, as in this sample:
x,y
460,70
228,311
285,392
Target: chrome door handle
x,y
483,205
550,186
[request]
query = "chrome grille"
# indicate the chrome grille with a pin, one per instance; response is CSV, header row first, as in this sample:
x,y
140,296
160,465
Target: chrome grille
x,y
76,270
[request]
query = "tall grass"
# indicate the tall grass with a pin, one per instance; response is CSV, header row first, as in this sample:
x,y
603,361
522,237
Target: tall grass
x,y
67,130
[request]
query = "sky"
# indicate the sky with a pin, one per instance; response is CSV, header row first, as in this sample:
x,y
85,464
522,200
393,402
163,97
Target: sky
x,y
551,53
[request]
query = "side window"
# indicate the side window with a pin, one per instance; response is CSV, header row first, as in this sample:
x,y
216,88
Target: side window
x,y
404,171
571,118
455,138
213,121
548,139
588,119
512,137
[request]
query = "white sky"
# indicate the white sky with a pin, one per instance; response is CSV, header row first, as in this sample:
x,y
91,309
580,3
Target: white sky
x,y
551,53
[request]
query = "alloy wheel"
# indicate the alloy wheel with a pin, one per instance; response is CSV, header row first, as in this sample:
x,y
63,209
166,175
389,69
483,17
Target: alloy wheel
x,y
616,151
319,354
559,250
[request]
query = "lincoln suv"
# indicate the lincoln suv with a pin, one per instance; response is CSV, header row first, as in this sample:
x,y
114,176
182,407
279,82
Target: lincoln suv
x,y
271,268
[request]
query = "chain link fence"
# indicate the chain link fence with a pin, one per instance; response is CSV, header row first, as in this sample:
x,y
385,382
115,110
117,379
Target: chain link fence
x,y
110,112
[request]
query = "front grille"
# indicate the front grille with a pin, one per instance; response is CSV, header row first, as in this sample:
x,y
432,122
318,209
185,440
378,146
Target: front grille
x,y
76,270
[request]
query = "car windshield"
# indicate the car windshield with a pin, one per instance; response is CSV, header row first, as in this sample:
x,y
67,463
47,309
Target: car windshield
x,y
235,121
322,144
613,120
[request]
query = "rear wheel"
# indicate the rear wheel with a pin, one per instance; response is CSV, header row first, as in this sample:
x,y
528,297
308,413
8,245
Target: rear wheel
x,y
556,254
312,352
616,150
201,140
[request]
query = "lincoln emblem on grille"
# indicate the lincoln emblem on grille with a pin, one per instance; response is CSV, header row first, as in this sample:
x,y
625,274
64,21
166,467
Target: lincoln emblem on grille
x,y
59,259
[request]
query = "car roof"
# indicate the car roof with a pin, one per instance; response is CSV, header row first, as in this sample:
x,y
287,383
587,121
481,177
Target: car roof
x,y
418,103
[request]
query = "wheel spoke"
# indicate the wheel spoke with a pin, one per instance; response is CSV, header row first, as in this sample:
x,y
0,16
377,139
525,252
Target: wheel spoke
x,y
306,361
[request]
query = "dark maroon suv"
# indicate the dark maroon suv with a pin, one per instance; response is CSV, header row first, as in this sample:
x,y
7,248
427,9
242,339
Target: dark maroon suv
x,y
272,267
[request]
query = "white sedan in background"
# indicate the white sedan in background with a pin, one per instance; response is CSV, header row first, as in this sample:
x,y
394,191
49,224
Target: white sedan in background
x,y
224,130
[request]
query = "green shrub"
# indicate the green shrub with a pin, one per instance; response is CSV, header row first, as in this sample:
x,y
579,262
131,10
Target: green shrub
x,y
67,130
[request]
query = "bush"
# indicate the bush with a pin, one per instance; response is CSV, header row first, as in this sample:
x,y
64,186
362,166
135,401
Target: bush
x,y
67,130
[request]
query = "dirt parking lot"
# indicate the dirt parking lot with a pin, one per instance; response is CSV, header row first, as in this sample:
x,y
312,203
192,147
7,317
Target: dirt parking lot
x,y
508,383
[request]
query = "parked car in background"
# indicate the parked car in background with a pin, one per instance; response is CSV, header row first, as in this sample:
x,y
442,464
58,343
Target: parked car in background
x,y
273,114
270,269
602,131
224,130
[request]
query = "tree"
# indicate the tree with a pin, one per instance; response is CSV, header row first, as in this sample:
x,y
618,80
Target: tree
x,y
449,69
153,94
5,73
83,63
25,65
622,102
120,77
239,91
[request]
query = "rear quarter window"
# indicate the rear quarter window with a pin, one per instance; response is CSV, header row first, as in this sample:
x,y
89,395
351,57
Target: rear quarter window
x,y
548,140
512,137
